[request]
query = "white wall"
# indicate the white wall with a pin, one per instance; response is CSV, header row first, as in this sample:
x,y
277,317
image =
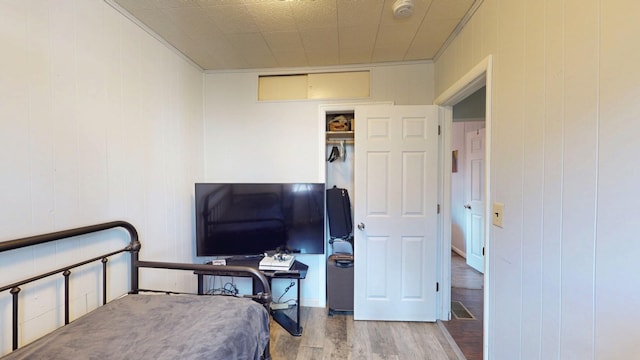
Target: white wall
x,y
251,141
564,163
99,122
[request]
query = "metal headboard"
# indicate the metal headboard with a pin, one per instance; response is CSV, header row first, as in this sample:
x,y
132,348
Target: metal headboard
x,y
133,248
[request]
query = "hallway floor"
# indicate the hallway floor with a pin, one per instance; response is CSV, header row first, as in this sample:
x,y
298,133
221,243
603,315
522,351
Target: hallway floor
x,y
466,287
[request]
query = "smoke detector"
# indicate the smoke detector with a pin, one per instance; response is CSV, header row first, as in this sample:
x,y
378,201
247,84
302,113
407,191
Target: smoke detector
x,y
403,8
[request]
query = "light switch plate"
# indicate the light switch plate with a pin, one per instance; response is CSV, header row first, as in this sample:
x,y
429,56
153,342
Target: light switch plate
x,y
497,213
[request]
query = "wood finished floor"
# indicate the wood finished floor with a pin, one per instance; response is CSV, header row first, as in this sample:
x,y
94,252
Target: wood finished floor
x,y
467,288
340,337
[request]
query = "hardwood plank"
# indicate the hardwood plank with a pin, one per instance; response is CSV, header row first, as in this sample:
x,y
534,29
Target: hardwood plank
x,y
381,343
310,353
340,337
335,339
463,276
430,344
283,345
405,343
358,338
467,333
313,327
417,339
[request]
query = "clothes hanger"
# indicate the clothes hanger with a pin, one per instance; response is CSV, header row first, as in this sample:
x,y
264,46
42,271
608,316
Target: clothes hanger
x,y
335,153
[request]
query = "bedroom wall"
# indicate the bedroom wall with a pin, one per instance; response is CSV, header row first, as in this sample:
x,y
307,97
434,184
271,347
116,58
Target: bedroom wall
x,y
281,141
99,122
564,118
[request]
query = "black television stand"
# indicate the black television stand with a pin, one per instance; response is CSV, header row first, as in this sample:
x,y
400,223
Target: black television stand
x,y
297,271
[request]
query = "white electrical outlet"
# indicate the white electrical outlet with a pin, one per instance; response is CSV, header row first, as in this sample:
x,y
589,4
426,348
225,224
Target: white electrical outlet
x,y
497,214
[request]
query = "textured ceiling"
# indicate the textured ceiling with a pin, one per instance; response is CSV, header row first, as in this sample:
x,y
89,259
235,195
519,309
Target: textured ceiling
x,y
240,34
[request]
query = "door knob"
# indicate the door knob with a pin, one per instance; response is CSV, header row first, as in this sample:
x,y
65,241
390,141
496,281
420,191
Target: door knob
x,y
361,226
467,206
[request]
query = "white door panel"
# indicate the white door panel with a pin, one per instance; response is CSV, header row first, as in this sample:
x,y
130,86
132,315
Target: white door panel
x,y
474,183
395,197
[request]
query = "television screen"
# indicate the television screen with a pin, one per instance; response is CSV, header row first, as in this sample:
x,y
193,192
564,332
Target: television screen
x,y
251,219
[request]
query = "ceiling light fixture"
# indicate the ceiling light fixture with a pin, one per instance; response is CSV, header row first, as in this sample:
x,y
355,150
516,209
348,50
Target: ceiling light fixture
x,y
403,8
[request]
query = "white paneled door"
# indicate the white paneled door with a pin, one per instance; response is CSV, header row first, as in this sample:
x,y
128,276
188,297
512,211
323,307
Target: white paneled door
x,y
474,192
395,197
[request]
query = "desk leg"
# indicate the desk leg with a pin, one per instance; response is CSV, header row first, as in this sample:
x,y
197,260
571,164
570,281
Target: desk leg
x,y
293,327
298,307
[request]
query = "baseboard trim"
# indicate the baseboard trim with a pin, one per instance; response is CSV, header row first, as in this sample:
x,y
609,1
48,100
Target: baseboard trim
x,y
458,251
450,340
312,303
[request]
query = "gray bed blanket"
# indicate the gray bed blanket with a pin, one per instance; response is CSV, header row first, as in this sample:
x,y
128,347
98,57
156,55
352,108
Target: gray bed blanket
x,y
159,327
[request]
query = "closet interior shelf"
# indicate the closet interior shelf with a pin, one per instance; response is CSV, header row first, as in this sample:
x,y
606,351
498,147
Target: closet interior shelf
x,y
336,137
337,142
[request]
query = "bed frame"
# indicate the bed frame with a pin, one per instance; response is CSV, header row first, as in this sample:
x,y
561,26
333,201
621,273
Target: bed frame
x,y
263,297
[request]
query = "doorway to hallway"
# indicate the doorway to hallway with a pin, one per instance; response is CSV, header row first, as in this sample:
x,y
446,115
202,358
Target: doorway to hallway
x,y
467,291
478,77
467,223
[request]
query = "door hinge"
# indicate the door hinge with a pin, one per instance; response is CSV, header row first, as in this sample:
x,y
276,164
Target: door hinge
x,y
483,251
437,286
438,129
438,209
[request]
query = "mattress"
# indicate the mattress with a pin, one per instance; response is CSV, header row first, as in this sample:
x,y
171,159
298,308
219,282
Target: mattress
x,y
159,327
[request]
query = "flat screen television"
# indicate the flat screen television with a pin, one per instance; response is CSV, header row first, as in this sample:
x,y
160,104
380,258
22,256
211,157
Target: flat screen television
x,y
251,219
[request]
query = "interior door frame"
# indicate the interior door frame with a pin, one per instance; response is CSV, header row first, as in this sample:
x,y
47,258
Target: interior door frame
x,y
323,109
480,75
